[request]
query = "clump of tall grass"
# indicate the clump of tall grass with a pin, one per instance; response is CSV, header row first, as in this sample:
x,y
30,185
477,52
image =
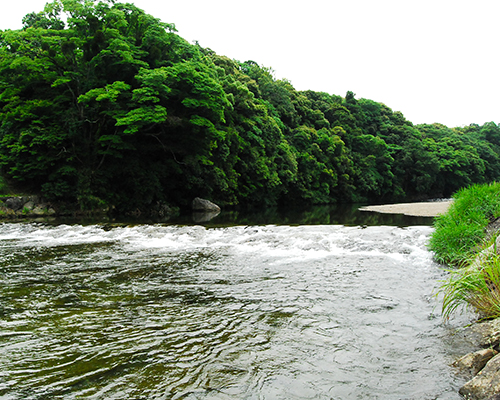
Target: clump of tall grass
x,y
476,286
459,240
460,231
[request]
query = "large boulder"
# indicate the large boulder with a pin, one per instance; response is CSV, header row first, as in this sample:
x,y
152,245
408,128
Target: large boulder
x,y
486,384
488,333
475,362
204,205
14,203
484,364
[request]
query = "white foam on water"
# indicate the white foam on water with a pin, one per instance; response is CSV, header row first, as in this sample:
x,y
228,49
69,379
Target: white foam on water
x,y
277,242
38,234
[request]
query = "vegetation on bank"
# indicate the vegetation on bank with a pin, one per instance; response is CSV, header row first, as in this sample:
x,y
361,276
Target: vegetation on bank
x,y
4,187
103,105
459,237
460,232
476,286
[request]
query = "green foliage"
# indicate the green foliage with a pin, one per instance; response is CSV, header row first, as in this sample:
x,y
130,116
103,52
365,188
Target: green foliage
x,y
104,105
459,240
4,187
476,286
113,85
459,232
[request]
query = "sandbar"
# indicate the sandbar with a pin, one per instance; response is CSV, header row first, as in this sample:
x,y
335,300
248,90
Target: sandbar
x,y
423,209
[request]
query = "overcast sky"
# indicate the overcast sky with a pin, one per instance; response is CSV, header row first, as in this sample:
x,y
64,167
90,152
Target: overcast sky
x,y
433,60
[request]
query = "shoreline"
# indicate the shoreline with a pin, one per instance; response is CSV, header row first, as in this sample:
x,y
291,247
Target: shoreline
x,y
482,366
421,209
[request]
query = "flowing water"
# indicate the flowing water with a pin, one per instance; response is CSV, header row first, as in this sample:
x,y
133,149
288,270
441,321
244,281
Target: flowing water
x,y
158,311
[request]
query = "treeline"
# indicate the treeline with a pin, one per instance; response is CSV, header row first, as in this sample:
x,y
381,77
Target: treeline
x,y
112,107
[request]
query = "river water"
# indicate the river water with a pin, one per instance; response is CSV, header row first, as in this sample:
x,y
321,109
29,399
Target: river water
x,y
251,311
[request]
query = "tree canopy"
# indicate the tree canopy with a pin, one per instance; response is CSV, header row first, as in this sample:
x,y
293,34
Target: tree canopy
x,y
103,104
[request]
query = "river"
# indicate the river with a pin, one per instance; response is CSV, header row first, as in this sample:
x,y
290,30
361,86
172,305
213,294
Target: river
x,y
224,311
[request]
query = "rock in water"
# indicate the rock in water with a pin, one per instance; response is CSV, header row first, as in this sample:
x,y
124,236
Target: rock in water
x,y
204,205
475,362
484,385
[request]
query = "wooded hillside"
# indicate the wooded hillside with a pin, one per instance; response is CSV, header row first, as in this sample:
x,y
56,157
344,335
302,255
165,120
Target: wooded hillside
x,y
112,107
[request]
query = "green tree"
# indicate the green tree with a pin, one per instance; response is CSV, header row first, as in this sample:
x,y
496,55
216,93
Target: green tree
x,y
113,85
255,154
458,160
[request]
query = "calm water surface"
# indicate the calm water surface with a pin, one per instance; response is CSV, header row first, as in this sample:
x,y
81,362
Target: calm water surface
x,y
156,311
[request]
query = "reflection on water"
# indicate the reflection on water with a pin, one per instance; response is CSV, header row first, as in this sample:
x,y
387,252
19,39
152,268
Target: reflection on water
x,y
342,214
337,214
236,312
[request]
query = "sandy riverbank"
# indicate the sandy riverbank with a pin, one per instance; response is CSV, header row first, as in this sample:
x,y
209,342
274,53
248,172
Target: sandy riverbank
x,y
423,209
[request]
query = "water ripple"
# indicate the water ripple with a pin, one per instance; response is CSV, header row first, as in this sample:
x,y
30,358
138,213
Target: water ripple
x,y
267,312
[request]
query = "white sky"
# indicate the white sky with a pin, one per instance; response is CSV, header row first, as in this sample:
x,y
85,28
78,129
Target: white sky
x,y
433,60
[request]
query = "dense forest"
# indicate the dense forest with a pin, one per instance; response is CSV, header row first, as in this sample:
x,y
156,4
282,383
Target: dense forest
x,y
102,104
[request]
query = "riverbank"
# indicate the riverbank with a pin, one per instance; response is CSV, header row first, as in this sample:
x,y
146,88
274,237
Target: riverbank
x,y
29,206
422,209
33,207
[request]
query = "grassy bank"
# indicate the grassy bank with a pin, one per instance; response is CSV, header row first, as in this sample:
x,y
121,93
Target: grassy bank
x,y
462,229
459,236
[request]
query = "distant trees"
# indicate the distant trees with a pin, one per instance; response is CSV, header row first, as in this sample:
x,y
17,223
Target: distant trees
x,y
112,107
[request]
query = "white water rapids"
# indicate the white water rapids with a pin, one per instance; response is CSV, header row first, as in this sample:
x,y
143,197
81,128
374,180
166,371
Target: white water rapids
x,y
243,312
